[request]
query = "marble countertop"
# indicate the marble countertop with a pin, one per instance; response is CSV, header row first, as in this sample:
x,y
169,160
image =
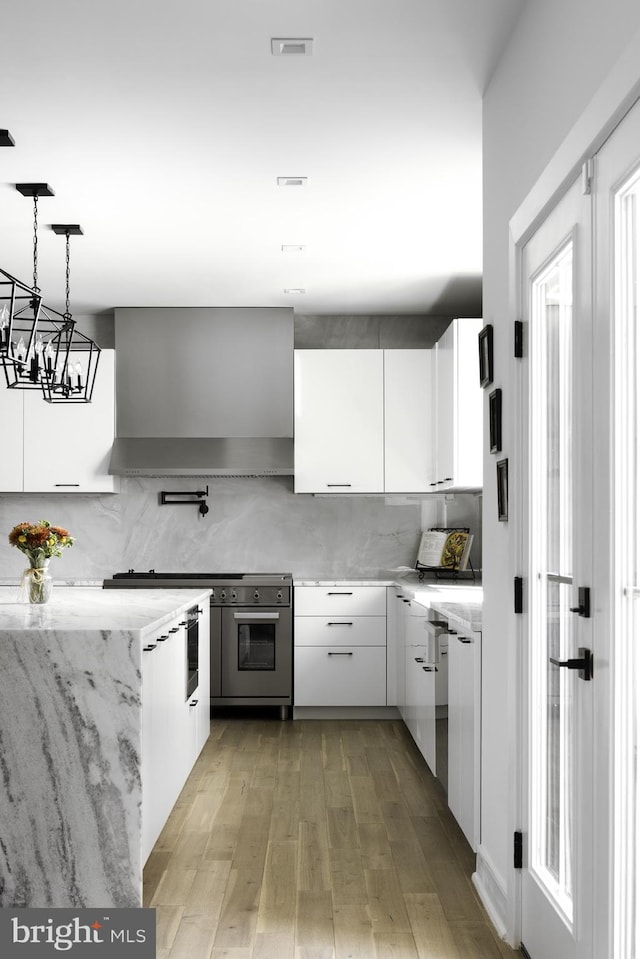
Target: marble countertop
x,y
71,609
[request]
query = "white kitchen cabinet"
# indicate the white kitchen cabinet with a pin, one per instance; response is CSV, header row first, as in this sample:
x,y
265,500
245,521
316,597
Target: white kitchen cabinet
x,y
343,600
420,685
409,421
174,728
464,733
338,417
67,446
340,646
363,421
459,408
340,676
401,606
12,433
59,447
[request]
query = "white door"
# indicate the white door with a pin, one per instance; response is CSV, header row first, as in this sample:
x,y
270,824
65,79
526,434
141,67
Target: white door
x,y
617,532
557,894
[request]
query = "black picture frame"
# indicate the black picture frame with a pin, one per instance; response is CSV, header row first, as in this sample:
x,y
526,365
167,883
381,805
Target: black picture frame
x,y
502,478
485,351
495,421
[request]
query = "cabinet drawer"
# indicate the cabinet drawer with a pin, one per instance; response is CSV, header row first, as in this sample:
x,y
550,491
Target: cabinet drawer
x,y
340,631
341,600
339,676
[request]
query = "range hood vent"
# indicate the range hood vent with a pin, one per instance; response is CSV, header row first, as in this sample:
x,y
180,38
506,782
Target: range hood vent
x,y
202,456
204,392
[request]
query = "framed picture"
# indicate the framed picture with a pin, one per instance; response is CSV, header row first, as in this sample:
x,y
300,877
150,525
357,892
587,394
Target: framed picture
x,y
495,421
502,471
485,347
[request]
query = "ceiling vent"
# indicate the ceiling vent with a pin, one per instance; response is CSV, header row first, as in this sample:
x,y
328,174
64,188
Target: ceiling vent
x,y
291,46
292,181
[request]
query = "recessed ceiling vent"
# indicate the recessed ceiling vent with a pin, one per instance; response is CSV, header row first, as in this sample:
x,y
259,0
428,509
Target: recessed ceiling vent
x,y
291,46
292,181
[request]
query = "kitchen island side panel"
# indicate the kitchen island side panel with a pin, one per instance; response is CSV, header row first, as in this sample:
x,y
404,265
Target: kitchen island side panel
x,y
70,747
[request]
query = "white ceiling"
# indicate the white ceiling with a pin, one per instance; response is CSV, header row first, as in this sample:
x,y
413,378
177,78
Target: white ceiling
x,y
162,126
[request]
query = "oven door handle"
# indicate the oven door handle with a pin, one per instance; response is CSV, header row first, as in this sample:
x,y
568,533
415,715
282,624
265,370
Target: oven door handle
x,y
237,615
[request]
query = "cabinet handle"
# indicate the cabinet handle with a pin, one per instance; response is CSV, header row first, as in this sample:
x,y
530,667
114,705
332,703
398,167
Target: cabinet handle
x,y
174,629
430,669
419,659
339,624
163,639
339,594
339,654
339,484
147,649
194,702
183,623
464,639
66,484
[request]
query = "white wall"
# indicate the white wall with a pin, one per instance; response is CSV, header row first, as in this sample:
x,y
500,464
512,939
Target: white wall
x,y
557,59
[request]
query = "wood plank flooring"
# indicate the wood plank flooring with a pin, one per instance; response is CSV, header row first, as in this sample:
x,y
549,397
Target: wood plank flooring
x,y
314,840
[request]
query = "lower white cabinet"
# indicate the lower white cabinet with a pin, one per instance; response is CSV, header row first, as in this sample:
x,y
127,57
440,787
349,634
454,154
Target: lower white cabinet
x,y
174,727
340,646
464,733
341,676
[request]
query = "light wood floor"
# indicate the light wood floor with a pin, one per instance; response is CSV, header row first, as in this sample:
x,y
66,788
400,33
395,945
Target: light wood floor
x,y
314,840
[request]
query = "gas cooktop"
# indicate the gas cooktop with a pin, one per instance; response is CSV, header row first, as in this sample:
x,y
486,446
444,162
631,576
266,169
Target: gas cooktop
x,y
151,575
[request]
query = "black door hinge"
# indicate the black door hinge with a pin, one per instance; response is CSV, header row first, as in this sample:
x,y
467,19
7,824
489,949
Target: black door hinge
x,y
518,339
517,850
518,594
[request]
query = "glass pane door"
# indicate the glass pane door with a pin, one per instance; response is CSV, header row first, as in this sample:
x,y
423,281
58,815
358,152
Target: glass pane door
x,y
551,538
556,533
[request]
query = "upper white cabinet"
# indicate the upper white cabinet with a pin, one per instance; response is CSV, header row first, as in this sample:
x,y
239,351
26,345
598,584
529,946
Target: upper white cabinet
x,y
59,447
11,433
362,421
338,416
409,421
458,428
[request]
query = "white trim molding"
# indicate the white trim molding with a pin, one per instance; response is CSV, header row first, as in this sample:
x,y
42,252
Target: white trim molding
x,y
492,891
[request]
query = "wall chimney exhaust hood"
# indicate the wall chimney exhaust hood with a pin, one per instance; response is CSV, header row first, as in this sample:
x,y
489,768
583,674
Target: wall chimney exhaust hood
x,y
202,456
204,392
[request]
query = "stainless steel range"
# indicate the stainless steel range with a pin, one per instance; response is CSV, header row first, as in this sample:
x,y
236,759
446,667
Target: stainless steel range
x,y
251,632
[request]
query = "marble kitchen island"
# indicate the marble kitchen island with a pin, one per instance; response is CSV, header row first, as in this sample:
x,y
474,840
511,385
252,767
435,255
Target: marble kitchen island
x,y
71,741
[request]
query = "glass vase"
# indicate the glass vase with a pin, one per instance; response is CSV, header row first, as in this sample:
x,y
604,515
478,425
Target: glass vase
x,y
38,583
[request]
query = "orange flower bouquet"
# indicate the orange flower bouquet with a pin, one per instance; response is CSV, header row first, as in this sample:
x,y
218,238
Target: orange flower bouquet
x,y
39,542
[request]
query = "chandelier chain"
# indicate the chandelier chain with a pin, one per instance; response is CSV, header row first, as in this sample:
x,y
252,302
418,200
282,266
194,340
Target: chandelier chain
x,y
35,243
67,279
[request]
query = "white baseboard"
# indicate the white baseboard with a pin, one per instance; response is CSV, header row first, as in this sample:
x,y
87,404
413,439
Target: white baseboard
x,y
492,891
345,712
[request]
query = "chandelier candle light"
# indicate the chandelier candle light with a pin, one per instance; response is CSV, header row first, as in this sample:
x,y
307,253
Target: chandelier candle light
x,y
39,542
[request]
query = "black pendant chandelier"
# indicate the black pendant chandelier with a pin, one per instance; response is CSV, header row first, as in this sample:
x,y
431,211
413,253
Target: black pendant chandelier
x,y
39,347
24,322
71,374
